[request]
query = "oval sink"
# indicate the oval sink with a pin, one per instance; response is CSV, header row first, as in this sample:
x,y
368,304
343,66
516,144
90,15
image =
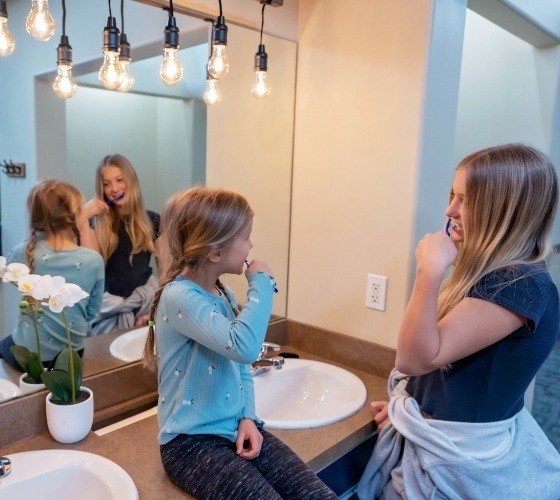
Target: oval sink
x,y
8,390
306,393
130,345
66,475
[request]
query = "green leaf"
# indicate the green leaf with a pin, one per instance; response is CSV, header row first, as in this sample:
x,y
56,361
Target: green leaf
x,y
60,385
22,355
64,359
35,368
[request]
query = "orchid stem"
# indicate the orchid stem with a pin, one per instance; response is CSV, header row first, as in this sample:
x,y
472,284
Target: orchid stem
x,y
70,357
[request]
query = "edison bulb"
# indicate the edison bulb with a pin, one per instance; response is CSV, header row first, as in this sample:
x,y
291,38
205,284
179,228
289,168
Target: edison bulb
x,y
212,94
128,79
171,70
40,23
260,88
64,85
7,42
111,73
218,64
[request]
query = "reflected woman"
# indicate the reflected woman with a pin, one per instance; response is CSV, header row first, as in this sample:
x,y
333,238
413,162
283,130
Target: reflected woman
x,y
117,225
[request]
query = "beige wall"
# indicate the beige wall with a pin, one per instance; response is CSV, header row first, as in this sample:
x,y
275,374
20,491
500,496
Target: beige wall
x,y
359,101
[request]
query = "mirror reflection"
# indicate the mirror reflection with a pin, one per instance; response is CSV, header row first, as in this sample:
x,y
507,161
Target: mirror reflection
x,y
175,141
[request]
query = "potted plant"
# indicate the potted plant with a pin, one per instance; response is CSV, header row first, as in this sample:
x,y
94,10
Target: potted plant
x,y
69,405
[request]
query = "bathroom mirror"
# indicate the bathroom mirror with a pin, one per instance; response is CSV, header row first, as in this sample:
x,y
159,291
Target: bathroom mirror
x,y
174,140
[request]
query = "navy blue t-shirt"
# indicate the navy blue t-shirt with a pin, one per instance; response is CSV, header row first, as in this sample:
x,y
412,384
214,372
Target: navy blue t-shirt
x,y
122,276
490,384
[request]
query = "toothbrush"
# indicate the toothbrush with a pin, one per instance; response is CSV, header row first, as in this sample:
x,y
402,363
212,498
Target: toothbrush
x,y
275,289
447,231
116,198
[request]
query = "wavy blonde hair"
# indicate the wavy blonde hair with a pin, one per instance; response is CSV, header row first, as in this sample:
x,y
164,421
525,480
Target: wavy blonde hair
x,y
195,223
510,203
136,220
53,206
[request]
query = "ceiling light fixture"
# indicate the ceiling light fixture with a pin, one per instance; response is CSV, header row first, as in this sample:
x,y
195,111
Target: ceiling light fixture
x,y
64,85
40,23
171,70
218,65
261,89
111,73
125,58
7,41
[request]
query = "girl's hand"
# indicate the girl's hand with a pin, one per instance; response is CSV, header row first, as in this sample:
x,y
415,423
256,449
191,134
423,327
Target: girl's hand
x,y
256,266
435,253
249,439
380,413
94,207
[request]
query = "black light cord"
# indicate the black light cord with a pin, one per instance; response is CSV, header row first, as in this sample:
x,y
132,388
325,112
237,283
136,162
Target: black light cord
x,y
122,16
262,22
170,8
110,13
63,17
220,4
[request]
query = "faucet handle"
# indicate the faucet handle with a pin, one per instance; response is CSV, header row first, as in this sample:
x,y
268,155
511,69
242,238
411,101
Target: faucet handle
x,y
269,345
5,466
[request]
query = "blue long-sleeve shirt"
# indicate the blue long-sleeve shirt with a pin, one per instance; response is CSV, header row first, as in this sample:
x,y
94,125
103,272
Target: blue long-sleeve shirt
x,y
204,354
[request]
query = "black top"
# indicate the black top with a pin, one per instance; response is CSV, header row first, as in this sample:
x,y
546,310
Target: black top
x,y
121,275
489,385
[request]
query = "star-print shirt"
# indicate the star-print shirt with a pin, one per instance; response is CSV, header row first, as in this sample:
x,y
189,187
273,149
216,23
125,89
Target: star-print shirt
x,y
204,354
81,266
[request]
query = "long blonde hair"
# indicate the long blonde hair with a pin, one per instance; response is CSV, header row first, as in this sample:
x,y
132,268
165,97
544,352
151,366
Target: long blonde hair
x,y
53,206
195,223
136,220
509,207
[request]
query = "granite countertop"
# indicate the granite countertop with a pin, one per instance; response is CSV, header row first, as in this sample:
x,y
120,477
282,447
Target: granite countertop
x,y
135,447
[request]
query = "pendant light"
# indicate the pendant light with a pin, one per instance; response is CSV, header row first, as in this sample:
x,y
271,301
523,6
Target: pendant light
x,y
125,58
218,65
64,85
40,23
261,89
7,42
111,74
171,70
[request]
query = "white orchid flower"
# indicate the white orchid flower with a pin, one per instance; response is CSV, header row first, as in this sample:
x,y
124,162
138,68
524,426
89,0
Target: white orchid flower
x,y
14,272
27,284
73,293
47,286
2,265
57,303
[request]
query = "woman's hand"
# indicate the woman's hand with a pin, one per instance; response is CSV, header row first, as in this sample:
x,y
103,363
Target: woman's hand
x,y
256,266
94,207
435,253
249,439
380,413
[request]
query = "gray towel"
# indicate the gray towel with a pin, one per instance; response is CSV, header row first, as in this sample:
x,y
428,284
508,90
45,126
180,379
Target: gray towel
x,y
117,313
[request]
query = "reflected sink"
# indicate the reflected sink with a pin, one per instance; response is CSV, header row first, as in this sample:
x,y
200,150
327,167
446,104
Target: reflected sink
x,y
8,390
306,393
66,475
130,345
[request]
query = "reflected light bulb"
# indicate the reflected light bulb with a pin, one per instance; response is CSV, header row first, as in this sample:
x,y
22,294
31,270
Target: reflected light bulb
x,y
171,70
212,94
218,65
64,85
7,42
111,73
40,23
128,79
260,88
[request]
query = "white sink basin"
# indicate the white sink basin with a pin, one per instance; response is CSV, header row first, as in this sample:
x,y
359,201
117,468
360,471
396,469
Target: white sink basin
x,y
306,393
130,345
66,475
8,390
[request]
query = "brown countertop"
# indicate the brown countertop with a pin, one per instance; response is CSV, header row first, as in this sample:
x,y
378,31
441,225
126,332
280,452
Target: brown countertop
x,y
135,447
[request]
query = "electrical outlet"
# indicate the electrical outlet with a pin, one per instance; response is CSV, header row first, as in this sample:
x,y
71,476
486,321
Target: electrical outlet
x,y
376,291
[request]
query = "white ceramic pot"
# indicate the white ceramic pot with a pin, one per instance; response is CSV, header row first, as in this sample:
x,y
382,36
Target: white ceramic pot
x,y
70,423
26,388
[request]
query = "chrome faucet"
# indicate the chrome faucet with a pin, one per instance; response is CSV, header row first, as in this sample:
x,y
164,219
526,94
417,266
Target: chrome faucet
x,y
264,362
5,466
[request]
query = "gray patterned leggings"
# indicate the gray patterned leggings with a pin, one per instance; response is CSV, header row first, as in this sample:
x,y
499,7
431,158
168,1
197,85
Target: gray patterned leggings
x,y
207,467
